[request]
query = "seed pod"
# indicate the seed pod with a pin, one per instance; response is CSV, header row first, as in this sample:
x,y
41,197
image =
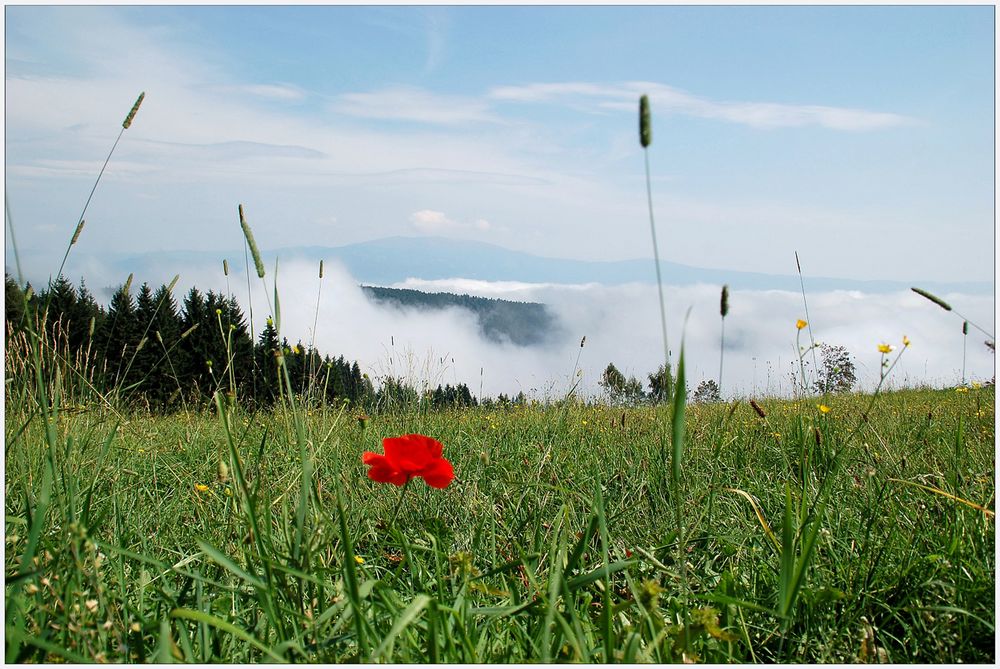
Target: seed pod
x,y
724,306
128,283
225,267
645,125
933,298
321,269
965,327
756,407
135,108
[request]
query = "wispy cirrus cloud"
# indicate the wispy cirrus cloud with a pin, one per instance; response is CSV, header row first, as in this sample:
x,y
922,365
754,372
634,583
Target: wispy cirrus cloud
x,y
410,103
278,92
755,114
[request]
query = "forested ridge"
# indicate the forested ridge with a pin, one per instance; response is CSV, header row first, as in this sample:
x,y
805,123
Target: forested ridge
x,y
520,323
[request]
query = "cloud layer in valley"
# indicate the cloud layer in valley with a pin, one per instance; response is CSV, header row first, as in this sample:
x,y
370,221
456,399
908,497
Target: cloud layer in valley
x,y
621,324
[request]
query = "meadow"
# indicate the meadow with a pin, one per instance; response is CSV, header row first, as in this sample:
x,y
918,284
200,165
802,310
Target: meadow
x,y
831,527
859,534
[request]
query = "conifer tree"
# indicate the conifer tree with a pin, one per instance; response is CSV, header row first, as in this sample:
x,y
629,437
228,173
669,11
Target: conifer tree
x,y
119,337
266,353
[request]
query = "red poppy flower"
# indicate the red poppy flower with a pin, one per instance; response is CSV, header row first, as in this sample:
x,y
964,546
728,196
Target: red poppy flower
x,y
409,456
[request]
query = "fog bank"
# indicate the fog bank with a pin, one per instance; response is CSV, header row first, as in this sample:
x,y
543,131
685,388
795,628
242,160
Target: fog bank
x,y
621,325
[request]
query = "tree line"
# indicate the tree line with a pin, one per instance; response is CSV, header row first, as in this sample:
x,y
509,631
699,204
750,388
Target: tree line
x,y
151,350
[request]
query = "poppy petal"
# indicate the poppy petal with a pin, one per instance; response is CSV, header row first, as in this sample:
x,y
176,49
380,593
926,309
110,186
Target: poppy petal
x,y
382,470
411,452
439,473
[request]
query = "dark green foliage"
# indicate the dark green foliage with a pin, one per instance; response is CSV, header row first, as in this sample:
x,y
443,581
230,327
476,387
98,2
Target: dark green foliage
x,y
521,323
621,390
707,391
661,385
13,302
118,338
453,397
266,354
154,353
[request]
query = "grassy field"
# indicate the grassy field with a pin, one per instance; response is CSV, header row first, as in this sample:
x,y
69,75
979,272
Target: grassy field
x,y
798,536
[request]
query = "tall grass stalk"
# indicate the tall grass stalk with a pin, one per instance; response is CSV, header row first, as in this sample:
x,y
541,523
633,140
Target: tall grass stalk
x,y
947,307
805,306
312,338
79,226
723,312
645,139
965,345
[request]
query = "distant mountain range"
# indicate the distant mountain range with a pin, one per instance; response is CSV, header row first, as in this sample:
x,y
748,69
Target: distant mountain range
x,y
395,259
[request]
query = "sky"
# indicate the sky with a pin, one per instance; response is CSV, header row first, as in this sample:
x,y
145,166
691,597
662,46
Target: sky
x,y
861,137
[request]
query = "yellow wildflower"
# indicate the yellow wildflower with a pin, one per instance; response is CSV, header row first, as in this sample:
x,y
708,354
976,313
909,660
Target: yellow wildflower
x,y
359,559
886,348
906,340
200,487
799,324
961,389
823,408
976,385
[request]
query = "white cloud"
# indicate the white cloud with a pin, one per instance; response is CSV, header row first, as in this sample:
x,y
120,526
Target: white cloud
x,y
624,97
432,222
283,92
409,103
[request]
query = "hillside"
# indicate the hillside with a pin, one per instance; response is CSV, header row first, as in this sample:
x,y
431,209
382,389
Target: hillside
x,y
520,323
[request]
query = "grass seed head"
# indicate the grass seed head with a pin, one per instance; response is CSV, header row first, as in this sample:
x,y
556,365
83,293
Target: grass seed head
x,y
756,407
645,124
321,269
225,267
724,306
76,234
933,298
254,251
135,108
128,283
965,327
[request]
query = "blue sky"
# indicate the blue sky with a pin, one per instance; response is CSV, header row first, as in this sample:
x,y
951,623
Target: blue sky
x,y
863,137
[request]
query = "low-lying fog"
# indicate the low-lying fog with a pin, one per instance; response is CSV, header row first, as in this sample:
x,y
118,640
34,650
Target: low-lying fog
x,y
621,324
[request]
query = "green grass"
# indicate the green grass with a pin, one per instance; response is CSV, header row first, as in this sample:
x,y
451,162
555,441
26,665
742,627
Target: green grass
x,y
556,542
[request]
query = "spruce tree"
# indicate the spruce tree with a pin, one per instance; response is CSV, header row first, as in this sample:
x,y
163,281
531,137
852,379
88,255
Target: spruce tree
x,y
119,337
266,353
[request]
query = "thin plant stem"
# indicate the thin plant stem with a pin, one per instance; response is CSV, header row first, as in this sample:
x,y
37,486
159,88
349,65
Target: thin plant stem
x,y
399,504
87,203
805,305
656,258
722,353
13,241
